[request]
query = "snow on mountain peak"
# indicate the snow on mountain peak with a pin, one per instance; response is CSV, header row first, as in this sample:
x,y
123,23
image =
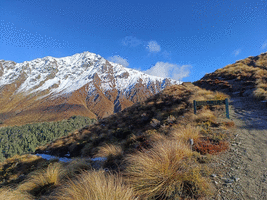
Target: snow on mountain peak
x,y
67,74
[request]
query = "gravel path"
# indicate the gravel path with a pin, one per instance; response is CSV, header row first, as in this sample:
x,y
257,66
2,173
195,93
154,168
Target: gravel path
x,y
244,167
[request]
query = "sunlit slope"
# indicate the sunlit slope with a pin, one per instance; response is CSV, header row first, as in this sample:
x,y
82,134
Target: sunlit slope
x,y
247,77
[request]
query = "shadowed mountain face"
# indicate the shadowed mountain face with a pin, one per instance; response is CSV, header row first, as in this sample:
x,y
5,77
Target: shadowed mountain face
x,y
247,77
51,89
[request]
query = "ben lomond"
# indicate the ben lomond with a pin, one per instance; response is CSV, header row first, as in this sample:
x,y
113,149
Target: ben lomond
x,y
49,89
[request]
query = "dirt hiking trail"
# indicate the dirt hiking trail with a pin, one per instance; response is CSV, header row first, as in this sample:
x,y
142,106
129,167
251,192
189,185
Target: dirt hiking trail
x,y
244,167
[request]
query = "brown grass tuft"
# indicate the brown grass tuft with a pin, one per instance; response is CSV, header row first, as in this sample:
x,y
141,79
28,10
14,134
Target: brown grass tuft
x,y
95,185
76,166
163,172
185,133
9,194
204,116
42,180
260,94
109,150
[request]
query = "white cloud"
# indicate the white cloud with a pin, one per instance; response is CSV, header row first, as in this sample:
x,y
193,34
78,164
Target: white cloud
x,y
264,45
237,52
119,60
131,41
169,70
153,46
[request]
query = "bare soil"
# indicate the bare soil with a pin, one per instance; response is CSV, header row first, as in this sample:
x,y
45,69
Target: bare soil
x,y
241,173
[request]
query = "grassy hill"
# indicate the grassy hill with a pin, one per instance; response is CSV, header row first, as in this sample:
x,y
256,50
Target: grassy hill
x,y
247,77
147,149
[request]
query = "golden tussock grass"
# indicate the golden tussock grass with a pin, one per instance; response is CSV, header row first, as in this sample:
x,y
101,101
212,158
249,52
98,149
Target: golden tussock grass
x,y
27,158
95,185
156,137
262,85
76,166
260,94
109,150
163,172
203,116
10,194
45,178
185,133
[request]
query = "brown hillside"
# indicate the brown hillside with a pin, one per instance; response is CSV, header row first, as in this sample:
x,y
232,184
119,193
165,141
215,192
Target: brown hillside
x,y
163,124
247,77
162,111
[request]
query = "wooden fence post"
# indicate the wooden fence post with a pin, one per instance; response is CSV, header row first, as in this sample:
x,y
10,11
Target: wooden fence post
x,y
227,108
195,107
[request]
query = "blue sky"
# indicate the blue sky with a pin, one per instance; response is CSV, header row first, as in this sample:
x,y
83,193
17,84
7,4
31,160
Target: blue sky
x,y
171,38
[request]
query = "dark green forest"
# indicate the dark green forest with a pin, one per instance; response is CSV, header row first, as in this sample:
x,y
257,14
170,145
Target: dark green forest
x,y
24,139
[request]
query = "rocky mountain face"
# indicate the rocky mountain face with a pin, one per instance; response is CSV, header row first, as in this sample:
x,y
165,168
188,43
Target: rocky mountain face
x,y
86,84
247,77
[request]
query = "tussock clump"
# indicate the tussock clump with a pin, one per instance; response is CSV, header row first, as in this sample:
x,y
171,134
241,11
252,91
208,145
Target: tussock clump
x,y
109,150
10,194
113,153
185,133
204,116
41,181
76,166
260,94
163,172
95,185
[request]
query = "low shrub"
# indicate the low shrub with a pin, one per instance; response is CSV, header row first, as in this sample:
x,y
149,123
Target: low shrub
x,y
229,124
209,147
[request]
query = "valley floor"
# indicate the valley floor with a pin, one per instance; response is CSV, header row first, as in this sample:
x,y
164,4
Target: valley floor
x,y
243,170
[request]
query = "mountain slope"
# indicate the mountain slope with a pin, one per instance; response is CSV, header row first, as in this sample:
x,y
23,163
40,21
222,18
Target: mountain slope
x,y
247,77
86,84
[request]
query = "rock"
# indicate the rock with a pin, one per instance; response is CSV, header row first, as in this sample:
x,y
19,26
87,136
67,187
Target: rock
x,y
213,175
229,181
235,178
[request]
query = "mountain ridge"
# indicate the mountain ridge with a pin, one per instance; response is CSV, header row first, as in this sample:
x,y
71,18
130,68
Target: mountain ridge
x,y
83,81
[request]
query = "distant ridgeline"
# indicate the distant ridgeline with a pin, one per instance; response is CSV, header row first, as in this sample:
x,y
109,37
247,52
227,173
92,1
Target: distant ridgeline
x,y
24,139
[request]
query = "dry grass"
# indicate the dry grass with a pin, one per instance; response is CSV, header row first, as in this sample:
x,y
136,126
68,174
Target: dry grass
x,y
203,116
156,137
76,166
10,194
109,150
260,94
185,133
40,181
251,72
220,96
95,185
162,172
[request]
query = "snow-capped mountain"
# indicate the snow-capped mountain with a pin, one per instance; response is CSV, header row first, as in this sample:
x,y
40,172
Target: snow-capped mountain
x,y
49,88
